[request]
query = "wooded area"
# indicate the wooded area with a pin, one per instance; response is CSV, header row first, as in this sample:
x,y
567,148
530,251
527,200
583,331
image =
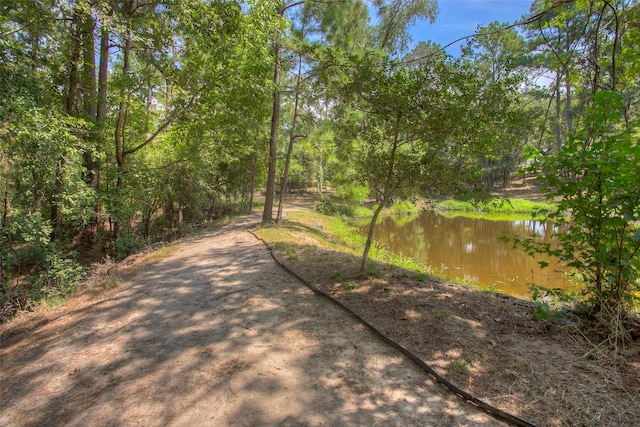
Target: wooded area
x,y
124,122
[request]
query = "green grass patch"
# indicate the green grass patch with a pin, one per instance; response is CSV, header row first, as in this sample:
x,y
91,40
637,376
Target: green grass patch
x,y
459,366
422,277
349,285
162,253
328,232
404,208
334,233
496,206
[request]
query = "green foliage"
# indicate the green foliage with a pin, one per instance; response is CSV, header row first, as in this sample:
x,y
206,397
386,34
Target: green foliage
x,y
492,288
543,312
496,205
59,278
351,193
349,285
456,205
326,206
126,244
597,180
26,243
27,239
459,366
422,277
404,208
551,302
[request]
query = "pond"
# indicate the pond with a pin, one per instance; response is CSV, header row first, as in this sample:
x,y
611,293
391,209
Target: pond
x,y
469,249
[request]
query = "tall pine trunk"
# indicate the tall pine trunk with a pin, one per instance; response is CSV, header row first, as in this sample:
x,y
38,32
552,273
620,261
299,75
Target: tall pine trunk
x,y
292,138
267,214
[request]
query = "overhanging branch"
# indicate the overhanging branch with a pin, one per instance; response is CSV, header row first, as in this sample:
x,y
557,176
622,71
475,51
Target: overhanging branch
x,y
162,128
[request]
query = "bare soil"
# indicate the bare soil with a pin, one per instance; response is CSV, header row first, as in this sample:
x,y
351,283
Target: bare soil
x,y
215,333
551,373
548,373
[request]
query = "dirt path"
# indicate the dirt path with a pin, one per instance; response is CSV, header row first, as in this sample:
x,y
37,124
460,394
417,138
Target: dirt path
x,y
215,334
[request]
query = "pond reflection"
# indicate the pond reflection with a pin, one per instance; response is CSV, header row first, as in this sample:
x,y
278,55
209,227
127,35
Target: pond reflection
x,y
469,248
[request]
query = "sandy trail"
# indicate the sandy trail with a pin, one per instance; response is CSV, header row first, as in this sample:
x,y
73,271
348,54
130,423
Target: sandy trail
x,y
216,334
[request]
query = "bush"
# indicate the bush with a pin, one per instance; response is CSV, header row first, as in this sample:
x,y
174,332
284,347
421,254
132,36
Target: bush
x,y
596,177
352,194
326,206
28,236
59,279
127,244
27,242
404,208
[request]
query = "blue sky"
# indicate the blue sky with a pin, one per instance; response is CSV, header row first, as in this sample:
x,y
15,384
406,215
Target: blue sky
x,y
459,18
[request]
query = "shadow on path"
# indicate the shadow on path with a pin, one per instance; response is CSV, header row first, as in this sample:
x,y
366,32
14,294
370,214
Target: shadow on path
x,y
216,334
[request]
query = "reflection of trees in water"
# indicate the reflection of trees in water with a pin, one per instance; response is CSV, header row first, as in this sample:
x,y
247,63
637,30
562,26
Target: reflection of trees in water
x,y
544,229
470,247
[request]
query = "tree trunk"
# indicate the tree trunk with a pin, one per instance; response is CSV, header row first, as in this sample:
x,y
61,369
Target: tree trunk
x,y
103,75
386,196
267,215
90,96
73,106
101,107
72,101
55,210
568,114
292,138
3,225
253,182
320,173
489,166
122,114
367,245
558,114
120,123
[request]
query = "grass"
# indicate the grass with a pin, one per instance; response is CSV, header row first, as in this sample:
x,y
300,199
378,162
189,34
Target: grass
x,y
349,285
300,226
161,253
337,235
404,208
459,366
502,206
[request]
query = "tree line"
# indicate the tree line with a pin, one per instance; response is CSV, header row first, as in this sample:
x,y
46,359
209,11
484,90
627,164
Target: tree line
x,y
124,122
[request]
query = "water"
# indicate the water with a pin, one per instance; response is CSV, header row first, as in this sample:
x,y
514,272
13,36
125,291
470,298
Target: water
x,y
469,248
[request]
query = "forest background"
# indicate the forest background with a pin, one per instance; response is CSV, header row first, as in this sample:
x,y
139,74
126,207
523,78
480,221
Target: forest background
x,y
127,122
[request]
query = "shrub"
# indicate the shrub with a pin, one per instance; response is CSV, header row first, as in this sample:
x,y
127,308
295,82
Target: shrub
x,y
59,279
352,194
404,208
596,177
326,206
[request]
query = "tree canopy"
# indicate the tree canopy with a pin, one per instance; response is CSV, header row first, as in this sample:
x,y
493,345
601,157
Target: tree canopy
x,y
126,122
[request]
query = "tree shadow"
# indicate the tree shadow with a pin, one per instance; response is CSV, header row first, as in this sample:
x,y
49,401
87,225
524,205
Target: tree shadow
x,y
216,334
485,342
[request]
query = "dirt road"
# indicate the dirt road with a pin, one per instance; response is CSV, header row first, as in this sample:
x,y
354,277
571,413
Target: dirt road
x,y
216,334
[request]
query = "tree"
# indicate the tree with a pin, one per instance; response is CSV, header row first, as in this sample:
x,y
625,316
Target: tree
x,y
595,178
599,205
391,35
497,53
403,125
